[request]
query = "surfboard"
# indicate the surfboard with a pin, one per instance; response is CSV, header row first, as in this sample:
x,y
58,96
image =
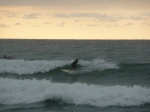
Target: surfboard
x,y
69,71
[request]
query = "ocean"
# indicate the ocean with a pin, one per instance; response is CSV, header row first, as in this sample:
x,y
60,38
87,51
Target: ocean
x,y
111,76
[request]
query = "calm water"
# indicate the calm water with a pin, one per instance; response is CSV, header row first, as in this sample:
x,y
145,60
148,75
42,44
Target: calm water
x,y
111,76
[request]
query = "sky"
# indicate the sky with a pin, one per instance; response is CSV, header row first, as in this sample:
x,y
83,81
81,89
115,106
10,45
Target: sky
x,y
75,19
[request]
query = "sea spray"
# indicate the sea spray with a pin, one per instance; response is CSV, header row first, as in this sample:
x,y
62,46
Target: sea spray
x,y
97,65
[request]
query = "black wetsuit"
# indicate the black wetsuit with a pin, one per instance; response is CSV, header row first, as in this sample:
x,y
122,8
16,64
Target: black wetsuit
x,y
74,64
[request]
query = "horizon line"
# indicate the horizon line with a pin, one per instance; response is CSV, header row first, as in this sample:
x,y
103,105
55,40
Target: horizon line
x,y
64,39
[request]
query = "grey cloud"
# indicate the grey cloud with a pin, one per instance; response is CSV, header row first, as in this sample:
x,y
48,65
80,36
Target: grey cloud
x,y
146,24
10,14
31,16
48,23
76,4
62,24
77,15
128,24
93,25
4,11
138,17
101,17
145,14
3,25
77,20
17,23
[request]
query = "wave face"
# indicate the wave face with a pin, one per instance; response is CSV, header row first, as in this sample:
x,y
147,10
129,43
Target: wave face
x,y
28,91
30,67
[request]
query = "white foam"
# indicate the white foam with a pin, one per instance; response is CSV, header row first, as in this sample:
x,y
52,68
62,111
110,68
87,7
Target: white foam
x,y
97,64
14,91
30,67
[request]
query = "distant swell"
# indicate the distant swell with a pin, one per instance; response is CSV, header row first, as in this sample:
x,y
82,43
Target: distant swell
x,y
14,91
30,67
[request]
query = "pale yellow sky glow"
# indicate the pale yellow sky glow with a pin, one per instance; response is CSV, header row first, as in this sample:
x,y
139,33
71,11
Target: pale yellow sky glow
x,y
80,19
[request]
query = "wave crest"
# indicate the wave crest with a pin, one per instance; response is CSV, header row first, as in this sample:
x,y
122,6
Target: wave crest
x,y
14,91
30,67
97,64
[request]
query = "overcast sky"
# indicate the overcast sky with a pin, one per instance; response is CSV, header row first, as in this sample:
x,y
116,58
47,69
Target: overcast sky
x,y
82,4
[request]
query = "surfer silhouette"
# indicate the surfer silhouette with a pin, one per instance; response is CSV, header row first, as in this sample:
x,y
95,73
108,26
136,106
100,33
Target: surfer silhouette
x,y
74,64
6,57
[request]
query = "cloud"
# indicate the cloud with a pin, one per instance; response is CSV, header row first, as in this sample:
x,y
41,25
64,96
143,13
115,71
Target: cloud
x,y
77,20
92,25
78,14
8,13
146,14
4,11
104,17
62,24
3,25
31,16
101,17
138,17
63,15
129,24
48,23
17,23
145,23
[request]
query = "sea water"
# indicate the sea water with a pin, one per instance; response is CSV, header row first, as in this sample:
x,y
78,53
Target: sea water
x,y
112,75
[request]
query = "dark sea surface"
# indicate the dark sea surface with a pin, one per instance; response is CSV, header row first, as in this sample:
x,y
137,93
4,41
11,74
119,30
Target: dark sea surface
x,y
111,76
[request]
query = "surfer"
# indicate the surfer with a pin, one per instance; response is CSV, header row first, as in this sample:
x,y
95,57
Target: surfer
x,y
6,57
74,64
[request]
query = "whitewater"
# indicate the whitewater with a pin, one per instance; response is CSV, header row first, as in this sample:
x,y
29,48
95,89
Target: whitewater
x,y
30,67
30,91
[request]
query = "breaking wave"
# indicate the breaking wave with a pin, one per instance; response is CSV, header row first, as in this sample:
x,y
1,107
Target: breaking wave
x,y
30,67
14,91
